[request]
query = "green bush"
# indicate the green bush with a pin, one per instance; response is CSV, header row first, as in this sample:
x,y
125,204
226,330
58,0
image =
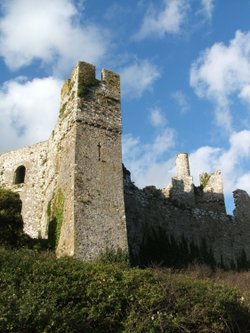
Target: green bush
x,y
11,224
41,294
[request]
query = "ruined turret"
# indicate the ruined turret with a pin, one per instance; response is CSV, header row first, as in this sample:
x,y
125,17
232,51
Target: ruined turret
x,y
181,188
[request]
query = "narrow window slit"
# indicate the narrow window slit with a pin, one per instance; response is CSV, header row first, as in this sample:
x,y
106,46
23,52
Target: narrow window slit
x,y
99,151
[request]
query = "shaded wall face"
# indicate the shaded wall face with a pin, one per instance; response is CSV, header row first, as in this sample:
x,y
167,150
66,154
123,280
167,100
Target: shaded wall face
x,y
62,155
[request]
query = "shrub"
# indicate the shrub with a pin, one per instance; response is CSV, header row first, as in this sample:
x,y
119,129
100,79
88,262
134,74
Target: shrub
x,y
41,294
11,224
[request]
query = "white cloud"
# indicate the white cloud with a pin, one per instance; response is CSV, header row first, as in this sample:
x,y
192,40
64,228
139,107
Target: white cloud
x,y
182,101
28,110
223,72
49,31
245,93
157,118
204,159
166,21
230,161
207,8
138,78
149,166
146,161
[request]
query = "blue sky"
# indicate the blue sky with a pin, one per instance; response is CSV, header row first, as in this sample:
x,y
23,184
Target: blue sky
x,y
185,73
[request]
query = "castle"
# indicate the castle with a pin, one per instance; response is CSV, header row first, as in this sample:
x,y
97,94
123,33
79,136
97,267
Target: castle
x,y
75,185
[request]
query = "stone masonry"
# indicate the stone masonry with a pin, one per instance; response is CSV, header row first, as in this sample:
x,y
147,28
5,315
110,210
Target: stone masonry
x,y
74,184
183,223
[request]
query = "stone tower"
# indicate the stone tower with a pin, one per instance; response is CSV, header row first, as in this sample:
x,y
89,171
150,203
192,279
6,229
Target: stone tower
x,y
99,217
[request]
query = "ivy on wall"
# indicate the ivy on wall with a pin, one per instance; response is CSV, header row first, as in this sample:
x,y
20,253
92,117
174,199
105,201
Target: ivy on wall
x,y
55,218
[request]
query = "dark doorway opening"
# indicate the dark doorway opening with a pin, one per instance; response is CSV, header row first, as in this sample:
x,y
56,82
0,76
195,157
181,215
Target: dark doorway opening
x,y
20,175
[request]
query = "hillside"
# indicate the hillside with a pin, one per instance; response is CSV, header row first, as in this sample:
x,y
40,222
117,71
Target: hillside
x,y
42,294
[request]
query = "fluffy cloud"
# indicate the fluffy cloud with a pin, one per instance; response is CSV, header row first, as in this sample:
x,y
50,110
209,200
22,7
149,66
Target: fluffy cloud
x,y
167,21
223,72
146,160
29,110
138,78
150,163
49,31
230,161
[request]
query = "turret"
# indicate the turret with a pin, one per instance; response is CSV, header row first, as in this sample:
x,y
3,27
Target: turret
x,y
182,166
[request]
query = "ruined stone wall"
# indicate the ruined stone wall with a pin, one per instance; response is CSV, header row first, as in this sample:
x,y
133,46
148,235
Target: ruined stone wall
x,y
33,158
209,195
78,168
166,229
155,223
181,188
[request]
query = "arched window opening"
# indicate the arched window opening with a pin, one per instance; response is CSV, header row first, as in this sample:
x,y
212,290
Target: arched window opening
x,y
20,175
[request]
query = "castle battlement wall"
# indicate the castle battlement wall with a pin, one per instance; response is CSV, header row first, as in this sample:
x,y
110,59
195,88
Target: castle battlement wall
x,y
175,225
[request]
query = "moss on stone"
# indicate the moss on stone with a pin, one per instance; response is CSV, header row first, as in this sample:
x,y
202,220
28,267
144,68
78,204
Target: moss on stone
x,y
62,110
55,218
83,87
204,179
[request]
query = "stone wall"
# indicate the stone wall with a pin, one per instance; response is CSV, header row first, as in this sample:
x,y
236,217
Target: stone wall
x,y
34,159
167,229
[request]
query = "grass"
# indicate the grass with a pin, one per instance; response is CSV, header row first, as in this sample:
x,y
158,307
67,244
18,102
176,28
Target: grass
x,y
233,279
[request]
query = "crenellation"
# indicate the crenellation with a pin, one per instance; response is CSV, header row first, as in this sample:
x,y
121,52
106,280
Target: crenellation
x,y
111,83
86,73
210,195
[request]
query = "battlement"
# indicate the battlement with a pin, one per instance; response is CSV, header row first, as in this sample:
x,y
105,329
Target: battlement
x,y
208,196
83,80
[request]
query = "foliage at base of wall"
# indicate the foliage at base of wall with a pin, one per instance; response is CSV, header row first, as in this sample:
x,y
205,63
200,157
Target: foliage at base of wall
x,y
11,223
160,248
41,294
163,249
55,218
